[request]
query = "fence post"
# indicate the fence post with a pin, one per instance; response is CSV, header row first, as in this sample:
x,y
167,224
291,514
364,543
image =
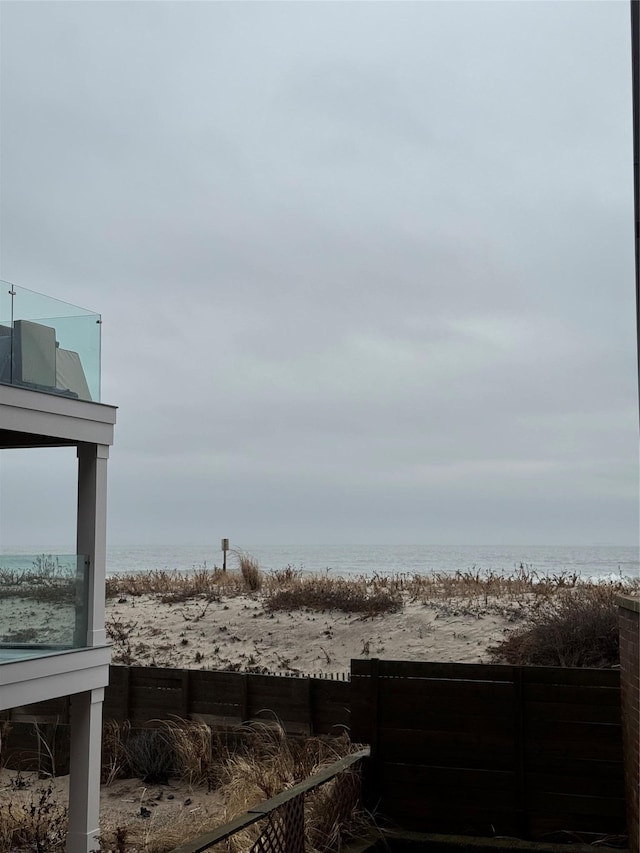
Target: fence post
x,y
185,694
371,771
375,700
244,698
519,753
629,621
309,705
125,694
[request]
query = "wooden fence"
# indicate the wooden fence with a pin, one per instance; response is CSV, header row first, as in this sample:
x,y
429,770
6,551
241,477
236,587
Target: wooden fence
x,y
142,694
464,748
497,750
302,705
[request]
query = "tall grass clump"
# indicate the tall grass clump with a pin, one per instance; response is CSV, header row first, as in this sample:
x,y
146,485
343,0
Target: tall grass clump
x,y
199,752
188,749
151,756
269,763
577,627
115,762
250,571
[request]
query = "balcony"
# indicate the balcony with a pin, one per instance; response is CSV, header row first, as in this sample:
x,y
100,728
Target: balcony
x,y
48,345
43,605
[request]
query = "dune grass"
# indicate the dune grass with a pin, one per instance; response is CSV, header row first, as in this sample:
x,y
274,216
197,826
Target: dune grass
x,y
258,762
261,761
271,762
564,620
292,589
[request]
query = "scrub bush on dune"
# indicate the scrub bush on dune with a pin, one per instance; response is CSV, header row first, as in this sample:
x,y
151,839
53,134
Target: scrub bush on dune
x,y
577,627
324,593
38,826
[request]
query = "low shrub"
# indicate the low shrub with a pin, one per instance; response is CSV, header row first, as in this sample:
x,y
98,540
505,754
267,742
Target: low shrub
x,y
577,627
325,593
39,826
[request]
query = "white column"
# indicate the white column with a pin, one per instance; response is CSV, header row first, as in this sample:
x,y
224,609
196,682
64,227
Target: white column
x,y
92,532
86,707
84,771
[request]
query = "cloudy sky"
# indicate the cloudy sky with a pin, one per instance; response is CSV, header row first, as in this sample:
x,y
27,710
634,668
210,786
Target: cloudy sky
x,y
365,269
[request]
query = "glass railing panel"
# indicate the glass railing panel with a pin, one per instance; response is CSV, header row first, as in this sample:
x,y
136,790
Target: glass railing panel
x,y
48,345
43,604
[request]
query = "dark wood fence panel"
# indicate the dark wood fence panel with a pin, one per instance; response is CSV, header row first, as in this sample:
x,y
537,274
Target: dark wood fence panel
x,y
51,711
572,721
464,748
468,748
145,695
218,697
330,703
116,696
437,724
44,747
284,699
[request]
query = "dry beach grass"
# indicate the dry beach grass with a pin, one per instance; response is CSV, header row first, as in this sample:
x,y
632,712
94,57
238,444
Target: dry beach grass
x,y
206,785
287,621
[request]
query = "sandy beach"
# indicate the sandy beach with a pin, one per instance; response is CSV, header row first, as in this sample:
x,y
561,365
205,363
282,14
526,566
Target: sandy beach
x,y
238,632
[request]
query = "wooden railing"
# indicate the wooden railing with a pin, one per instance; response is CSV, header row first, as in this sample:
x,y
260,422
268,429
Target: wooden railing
x,y
284,830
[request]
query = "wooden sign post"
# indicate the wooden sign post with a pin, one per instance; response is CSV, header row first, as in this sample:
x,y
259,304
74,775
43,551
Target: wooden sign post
x,y
225,548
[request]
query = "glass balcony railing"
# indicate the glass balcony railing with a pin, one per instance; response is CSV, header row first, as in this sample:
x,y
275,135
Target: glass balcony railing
x,y
43,604
48,345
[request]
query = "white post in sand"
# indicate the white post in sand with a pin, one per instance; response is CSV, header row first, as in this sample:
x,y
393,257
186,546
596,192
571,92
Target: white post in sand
x,y
84,775
86,707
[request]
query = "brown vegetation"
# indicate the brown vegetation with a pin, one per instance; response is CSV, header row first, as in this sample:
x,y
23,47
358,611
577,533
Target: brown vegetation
x,y
262,762
326,593
292,588
577,627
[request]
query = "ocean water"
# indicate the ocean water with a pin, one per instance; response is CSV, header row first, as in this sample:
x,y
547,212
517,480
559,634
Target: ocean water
x,y
597,561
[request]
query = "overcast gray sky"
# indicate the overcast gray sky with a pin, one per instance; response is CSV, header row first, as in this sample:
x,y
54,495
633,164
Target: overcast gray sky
x,y
365,269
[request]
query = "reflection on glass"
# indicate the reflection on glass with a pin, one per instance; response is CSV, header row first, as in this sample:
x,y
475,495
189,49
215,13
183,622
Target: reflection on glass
x,y
48,345
43,604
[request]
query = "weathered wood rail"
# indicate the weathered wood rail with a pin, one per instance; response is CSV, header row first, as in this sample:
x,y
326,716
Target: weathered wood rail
x,y
285,829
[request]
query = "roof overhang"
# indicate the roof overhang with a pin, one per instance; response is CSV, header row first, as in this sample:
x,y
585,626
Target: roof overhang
x,y
37,419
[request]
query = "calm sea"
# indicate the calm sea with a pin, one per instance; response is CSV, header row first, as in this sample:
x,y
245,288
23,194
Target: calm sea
x,y
598,561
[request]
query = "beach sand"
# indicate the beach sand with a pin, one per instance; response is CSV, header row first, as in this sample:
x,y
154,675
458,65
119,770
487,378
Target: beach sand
x,y
152,814
237,632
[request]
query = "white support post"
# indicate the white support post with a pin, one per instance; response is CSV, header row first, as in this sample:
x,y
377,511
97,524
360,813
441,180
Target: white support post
x,y
84,771
86,707
92,532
